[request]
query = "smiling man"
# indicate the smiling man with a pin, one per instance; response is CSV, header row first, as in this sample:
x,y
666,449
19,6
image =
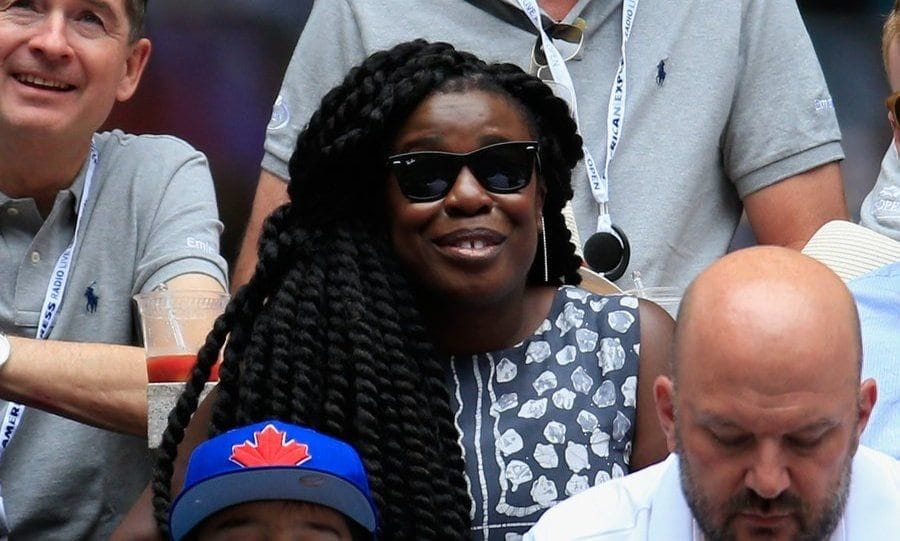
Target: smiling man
x,y
764,413
86,221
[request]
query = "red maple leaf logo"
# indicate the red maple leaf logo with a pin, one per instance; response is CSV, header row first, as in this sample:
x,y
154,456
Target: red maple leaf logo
x,y
270,448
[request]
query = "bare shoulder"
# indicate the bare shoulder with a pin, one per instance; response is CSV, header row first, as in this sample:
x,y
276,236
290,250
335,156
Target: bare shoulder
x,y
657,332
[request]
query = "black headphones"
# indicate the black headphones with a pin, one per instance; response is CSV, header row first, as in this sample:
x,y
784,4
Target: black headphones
x,y
608,253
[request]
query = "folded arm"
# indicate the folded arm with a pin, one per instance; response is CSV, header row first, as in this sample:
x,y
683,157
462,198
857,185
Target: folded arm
x,y
789,212
103,385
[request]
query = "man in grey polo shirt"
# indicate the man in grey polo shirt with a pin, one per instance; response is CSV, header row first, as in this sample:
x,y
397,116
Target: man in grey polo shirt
x,y
137,212
726,107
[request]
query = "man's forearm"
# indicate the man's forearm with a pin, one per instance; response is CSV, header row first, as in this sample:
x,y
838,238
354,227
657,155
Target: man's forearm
x,y
103,385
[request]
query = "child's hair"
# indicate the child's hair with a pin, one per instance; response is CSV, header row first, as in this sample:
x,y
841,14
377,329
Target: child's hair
x,y
327,332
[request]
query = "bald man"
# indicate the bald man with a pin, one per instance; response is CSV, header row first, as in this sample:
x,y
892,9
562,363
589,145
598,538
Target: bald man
x,y
763,414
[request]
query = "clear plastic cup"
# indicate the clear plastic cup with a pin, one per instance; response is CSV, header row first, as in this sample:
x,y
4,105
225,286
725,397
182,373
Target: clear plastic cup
x,y
175,324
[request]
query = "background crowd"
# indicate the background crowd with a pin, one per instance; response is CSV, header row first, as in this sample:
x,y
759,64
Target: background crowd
x,y
226,41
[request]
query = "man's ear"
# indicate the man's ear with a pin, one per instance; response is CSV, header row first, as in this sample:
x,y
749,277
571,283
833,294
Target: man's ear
x,y
134,68
868,393
664,395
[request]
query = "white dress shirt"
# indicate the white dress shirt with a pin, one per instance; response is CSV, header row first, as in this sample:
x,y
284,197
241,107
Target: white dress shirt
x,y
649,505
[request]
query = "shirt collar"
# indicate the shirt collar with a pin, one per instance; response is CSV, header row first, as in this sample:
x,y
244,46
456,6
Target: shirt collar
x,y
77,187
671,517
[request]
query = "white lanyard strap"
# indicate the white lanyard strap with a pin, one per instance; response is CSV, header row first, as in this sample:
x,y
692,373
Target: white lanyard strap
x,y
615,122
60,276
52,302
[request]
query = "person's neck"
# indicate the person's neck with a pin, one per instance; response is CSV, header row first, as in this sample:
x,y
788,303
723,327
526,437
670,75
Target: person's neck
x,y
461,328
557,9
39,168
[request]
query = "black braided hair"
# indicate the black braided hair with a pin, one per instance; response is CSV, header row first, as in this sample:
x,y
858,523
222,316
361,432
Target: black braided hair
x,y
326,333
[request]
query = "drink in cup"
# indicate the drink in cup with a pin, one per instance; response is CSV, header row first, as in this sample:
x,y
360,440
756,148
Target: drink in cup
x,y
175,325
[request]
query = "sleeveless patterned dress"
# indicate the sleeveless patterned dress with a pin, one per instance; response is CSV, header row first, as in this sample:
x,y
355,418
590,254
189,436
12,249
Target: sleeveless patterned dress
x,y
549,417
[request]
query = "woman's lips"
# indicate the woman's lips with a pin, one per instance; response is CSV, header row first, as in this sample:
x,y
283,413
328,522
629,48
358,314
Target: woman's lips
x,y
470,244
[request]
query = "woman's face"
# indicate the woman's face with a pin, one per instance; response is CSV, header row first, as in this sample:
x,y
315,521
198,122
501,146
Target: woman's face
x,y
472,245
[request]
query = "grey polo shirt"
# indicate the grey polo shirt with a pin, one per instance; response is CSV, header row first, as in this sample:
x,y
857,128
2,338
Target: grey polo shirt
x,y
742,105
150,216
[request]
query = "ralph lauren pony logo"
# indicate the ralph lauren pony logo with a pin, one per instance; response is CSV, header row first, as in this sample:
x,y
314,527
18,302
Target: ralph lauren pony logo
x,y
92,298
661,72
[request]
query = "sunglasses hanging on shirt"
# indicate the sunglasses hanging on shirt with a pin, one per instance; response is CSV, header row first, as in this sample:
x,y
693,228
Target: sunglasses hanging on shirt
x,y
607,250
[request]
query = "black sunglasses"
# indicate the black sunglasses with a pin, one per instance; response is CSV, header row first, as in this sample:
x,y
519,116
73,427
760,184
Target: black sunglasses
x,y
500,168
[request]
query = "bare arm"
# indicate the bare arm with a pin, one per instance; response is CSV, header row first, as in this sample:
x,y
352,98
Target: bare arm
x,y
789,212
139,524
104,385
657,329
271,193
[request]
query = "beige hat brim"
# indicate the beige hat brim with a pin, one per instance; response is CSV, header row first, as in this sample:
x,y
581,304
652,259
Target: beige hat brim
x,y
851,250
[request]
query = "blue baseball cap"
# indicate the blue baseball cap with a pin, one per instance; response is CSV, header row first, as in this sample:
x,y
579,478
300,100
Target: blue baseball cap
x,y
272,460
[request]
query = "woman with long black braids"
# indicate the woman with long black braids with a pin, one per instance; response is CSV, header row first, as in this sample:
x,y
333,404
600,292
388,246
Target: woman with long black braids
x,y
411,299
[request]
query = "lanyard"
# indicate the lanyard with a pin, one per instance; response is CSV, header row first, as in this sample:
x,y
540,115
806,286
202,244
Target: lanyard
x,y
615,118
52,302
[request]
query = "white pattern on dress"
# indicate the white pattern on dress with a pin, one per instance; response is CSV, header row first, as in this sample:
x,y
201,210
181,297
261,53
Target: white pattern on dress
x,y
581,381
570,318
564,399
629,391
533,409
600,443
566,355
543,491
598,305
586,340
457,392
601,477
587,421
620,321
546,456
510,442
605,395
545,382
576,484
517,473
506,402
621,424
577,457
506,370
611,355
555,432
537,352
577,294
478,451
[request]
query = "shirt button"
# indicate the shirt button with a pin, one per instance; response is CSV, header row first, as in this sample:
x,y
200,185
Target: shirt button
x,y
35,257
12,211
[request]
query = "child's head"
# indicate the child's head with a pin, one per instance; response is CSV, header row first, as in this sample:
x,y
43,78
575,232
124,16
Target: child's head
x,y
273,477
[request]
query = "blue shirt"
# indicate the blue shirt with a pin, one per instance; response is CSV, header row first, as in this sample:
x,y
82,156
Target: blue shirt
x,y
877,297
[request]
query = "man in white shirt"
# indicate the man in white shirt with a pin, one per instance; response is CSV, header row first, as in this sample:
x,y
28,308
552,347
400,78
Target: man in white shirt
x,y
764,411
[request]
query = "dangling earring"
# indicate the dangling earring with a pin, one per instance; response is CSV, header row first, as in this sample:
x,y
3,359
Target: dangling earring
x,y
544,246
